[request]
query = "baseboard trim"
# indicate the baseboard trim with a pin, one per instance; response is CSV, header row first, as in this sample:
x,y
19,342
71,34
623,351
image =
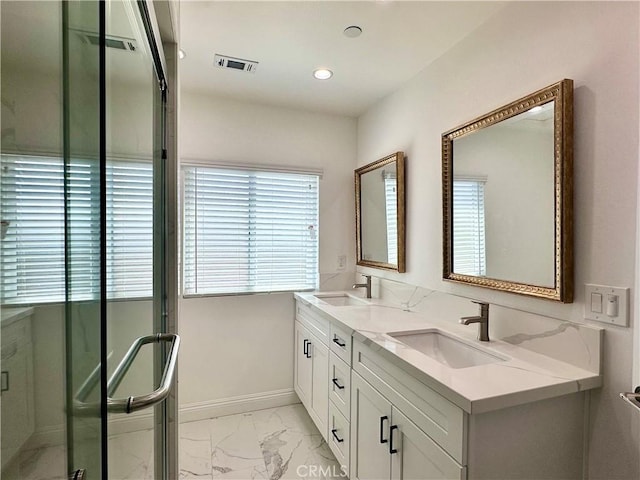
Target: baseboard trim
x,y
48,436
190,412
117,425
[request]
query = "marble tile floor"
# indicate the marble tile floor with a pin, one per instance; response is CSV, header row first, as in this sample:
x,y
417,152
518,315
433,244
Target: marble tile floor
x,y
130,458
277,443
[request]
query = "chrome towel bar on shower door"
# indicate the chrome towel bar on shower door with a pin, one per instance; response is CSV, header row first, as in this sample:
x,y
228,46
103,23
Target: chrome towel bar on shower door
x,y
632,398
132,403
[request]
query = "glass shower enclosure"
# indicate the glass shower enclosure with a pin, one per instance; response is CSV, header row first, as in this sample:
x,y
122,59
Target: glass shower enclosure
x,y
87,360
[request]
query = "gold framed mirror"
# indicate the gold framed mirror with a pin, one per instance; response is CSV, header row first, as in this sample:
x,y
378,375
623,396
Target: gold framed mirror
x,y
380,213
507,191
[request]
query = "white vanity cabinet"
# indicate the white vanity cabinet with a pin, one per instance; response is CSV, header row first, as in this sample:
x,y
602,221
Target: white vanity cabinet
x,y
322,377
403,429
18,415
396,423
388,411
385,443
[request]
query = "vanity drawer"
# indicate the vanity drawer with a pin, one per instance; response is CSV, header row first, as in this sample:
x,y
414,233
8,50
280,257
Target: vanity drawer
x,y
340,384
314,321
339,429
440,419
341,343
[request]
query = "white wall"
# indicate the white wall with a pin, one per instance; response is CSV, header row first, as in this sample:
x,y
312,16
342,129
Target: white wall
x,y
525,47
240,346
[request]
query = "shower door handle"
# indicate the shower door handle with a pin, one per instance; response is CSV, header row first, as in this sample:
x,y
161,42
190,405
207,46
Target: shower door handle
x,y
632,398
134,403
127,405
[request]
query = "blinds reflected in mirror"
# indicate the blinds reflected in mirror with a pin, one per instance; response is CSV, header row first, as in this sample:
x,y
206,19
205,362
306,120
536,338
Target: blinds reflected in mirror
x,y
391,210
469,226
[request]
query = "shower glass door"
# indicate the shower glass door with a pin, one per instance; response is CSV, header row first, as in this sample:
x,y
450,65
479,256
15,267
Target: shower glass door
x,y
135,238
115,241
82,258
82,173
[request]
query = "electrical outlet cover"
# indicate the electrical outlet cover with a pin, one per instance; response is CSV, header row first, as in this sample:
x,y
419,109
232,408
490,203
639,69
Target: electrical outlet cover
x,y
621,317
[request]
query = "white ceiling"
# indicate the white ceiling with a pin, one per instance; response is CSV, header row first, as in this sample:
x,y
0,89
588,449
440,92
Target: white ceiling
x,y
291,39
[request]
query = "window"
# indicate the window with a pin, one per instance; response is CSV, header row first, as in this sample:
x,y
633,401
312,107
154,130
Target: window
x,y
468,226
33,248
249,231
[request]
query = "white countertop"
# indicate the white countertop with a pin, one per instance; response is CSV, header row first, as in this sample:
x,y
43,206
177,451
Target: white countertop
x,y
524,376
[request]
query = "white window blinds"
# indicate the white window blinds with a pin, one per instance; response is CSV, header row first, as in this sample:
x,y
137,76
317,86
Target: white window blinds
x,y
391,207
129,229
468,227
33,248
249,231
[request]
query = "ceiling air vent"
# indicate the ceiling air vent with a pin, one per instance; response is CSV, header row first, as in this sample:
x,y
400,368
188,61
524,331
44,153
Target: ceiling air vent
x,y
119,43
222,61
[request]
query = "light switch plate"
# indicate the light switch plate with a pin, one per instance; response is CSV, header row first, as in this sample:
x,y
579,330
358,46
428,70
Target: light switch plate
x,y
619,308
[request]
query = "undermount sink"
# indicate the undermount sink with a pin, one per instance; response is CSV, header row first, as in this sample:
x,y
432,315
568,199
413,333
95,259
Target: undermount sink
x,y
446,349
341,300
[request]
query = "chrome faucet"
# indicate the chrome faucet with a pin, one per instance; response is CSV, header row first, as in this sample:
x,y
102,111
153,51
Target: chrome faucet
x,y
482,320
366,285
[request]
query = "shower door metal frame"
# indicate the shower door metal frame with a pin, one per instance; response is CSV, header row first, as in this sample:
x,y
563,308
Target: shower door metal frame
x,y
165,413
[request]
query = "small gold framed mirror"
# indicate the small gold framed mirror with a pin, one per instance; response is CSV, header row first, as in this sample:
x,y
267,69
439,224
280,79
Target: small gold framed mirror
x,y
380,213
507,189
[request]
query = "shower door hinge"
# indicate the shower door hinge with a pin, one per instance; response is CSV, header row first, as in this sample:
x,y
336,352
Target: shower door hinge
x,y
163,85
164,154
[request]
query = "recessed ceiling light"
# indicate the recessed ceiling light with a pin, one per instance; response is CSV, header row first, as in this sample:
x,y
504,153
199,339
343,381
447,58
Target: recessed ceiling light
x,y
352,31
181,54
322,74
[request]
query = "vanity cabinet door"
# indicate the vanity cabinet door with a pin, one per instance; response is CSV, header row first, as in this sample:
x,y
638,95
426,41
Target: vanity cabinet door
x,y
311,370
414,456
320,387
370,421
302,365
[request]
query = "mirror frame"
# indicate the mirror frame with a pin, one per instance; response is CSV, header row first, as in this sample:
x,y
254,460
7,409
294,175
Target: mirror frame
x,y
562,94
399,158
